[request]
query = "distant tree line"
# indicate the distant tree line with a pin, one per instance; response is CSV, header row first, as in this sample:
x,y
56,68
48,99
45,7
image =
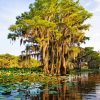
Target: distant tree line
x,y
10,61
89,58
86,59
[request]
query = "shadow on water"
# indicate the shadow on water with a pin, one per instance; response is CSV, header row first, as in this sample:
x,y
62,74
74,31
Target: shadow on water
x,y
85,86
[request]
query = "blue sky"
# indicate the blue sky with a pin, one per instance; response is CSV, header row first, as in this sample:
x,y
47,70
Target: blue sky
x,y
9,9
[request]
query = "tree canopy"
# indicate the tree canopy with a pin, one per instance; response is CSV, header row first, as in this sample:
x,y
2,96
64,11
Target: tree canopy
x,y
53,31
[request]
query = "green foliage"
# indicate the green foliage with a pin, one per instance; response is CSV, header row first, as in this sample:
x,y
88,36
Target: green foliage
x,y
7,60
89,57
57,27
10,61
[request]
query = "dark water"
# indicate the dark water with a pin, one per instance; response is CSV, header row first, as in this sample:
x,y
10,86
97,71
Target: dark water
x,y
85,86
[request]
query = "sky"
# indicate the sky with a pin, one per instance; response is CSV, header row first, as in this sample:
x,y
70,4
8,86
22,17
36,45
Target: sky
x,y
94,31
9,9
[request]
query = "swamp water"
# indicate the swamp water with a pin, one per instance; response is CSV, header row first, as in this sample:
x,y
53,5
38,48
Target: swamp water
x,y
85,86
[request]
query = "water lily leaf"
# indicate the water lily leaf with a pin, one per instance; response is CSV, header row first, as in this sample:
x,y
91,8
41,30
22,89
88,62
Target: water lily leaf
x,y
6,92
2,97
16,99
52,92
45,90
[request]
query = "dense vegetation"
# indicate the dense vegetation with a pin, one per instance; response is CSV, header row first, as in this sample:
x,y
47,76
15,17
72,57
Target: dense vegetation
x,y
53,30
11,61
88,58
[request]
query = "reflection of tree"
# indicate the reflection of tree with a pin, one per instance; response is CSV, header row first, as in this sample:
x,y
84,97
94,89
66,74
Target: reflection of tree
x,y
87,86
64,93
75,89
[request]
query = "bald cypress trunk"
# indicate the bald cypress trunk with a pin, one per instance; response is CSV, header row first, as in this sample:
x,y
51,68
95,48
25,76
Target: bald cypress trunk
x,y
52,61
45,57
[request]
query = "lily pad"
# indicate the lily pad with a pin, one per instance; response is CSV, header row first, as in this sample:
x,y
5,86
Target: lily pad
x,y
52,92
2,97
6,93
16,99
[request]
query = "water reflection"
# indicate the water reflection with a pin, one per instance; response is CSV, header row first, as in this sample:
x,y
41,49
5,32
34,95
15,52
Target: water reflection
x,y
85,86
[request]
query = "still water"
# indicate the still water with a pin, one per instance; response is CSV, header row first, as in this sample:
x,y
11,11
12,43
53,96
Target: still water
x,y
85,86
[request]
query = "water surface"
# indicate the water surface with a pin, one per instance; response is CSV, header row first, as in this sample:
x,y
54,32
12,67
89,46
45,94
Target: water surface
x,y
85,86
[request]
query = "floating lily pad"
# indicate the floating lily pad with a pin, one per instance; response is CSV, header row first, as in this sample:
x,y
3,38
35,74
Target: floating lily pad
x,y
6,93
16,99
52,92
44,90
2,97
